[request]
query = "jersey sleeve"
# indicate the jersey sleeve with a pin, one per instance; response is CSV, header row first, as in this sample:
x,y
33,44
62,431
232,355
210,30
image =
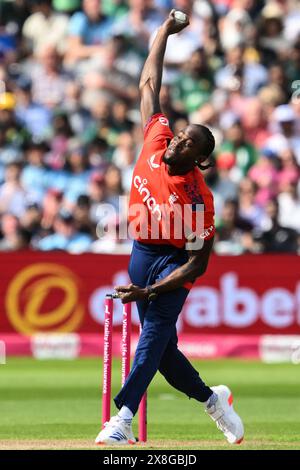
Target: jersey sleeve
x,y
157,128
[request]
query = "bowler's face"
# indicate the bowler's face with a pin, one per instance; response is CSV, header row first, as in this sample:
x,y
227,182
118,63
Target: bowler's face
x,y
185,146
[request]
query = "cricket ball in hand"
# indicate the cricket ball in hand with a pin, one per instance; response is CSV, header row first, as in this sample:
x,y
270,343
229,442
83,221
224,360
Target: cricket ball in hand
x,y
180,17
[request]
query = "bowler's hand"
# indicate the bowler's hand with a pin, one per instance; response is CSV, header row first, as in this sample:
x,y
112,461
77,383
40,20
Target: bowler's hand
x,y
131,293
172,26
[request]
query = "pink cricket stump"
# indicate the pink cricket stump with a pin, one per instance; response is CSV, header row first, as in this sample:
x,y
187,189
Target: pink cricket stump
x,y
143,419
107,363
107,359
143,416
126,337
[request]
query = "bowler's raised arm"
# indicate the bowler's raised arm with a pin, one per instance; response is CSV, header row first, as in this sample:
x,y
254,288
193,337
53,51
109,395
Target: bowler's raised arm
x,y
150,82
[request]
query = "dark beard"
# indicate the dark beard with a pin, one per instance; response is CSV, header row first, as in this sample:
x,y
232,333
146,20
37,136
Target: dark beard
x,y
168,161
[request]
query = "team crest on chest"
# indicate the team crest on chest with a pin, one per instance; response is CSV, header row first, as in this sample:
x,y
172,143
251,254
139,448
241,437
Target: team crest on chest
x,y
153,166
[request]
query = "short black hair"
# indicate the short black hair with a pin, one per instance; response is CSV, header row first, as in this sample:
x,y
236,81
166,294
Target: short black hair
x,y
208,143
207,139
83,201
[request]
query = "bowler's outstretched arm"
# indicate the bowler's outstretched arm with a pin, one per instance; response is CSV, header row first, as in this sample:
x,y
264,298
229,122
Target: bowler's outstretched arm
x,y
150,81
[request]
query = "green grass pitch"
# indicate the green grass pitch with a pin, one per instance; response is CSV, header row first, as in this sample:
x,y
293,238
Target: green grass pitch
x,y
57,405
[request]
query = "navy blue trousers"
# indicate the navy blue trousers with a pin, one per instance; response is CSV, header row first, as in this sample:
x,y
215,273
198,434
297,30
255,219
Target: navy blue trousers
x,y
157,347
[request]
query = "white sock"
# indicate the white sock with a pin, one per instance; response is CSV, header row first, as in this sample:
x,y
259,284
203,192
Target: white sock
x,y
125,414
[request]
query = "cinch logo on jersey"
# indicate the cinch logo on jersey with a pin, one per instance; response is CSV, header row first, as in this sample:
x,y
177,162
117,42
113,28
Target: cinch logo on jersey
x,y
152,205
207,232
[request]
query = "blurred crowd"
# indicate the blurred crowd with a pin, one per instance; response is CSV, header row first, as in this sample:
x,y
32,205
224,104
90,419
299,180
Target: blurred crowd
x,y
70,129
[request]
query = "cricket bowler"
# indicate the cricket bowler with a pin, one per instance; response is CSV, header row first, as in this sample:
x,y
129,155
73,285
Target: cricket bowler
x,y
166,180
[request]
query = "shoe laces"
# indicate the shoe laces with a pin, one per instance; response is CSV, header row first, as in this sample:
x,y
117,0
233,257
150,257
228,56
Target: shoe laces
x,y
116,421
113,421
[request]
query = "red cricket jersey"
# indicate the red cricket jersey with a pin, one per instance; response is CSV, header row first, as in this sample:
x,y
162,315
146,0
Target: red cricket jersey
x,y
164,209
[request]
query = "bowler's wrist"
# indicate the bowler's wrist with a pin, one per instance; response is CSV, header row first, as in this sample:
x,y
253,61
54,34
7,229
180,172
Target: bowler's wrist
x,y
164,30
151,293
144,293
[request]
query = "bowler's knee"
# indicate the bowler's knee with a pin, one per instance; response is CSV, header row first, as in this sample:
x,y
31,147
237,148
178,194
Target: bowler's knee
x,y
168,360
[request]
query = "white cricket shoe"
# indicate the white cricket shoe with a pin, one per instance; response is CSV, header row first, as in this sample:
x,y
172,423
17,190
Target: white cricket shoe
x,y
116,432
226,419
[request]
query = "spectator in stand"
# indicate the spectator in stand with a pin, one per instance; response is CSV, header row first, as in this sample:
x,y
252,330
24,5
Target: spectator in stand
x,y
14,134
236,71
107,80
210,115
33,176
104,192
140,22
77,173
65,236
244,152
52,204
194,86
113,182
129,56
284,133
12,194
167,105
13,16
295,103
88,30
223,187
255,124
110,120
11,141
49,81
124,158
291,20
289,170
113,121
97,154
60,136
277,238
279,79
234,233
289,205
292,65
120,121
100,123
115,8
35,117
236,27
31,219
270,96
249,210
82,215
271,39
98,198
45,26
9,228
78,116
66,6
265,176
